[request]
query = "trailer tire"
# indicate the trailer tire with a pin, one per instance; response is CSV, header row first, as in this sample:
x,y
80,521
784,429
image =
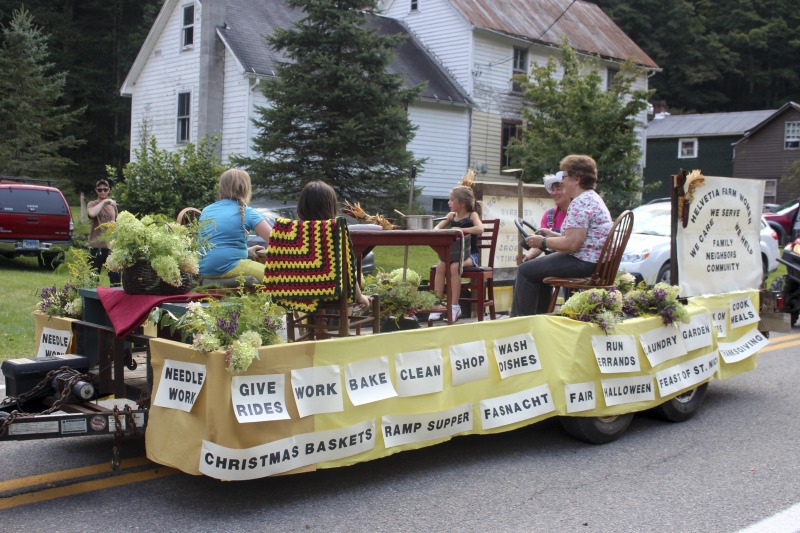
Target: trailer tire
x,y
596,429
682,407
791,298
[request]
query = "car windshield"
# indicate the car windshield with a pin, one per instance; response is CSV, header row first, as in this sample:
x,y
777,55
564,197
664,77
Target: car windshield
x,y
652,219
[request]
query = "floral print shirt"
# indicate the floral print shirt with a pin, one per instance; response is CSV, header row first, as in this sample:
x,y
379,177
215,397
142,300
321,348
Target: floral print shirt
x,y
589,211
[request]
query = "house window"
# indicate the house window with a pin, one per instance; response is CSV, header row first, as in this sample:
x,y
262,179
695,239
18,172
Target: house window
x,y
414,5
611,74
511,130
770,191
687,148
184,113
187,28
520,66
791,139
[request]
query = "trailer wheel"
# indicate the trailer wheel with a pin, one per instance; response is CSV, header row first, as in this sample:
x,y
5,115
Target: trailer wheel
x,y
791,298
682,407
596,429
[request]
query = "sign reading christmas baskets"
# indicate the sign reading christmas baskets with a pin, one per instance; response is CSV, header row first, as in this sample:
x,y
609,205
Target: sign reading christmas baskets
x,y
332,403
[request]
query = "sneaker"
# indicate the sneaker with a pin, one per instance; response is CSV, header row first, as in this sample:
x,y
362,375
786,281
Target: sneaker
x,y
433,317
456,310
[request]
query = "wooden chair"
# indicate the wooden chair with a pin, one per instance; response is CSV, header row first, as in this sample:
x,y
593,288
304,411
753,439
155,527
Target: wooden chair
x,y
480,279
305,264
607,265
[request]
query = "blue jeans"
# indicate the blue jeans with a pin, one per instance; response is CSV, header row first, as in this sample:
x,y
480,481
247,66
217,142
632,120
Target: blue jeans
x,y
531,294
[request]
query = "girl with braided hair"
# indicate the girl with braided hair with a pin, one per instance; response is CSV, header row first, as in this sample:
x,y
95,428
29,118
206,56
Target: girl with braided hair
x,y
224,226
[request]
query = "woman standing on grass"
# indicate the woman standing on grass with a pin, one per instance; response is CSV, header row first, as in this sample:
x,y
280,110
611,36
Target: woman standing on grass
x,y
101,211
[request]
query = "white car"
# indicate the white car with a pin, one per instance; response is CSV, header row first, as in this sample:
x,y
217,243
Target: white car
x,y
647,253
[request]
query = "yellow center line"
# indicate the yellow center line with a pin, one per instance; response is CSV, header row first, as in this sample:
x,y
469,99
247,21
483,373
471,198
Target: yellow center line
x,y
41,479
784,338
781,346
86,486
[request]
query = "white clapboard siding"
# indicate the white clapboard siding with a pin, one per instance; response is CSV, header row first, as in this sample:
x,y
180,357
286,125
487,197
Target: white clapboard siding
x,y
235,112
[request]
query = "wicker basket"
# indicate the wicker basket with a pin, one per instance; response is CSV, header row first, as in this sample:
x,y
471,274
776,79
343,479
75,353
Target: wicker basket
x,y
142,279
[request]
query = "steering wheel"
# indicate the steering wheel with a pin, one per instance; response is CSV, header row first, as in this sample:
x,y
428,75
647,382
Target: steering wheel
x,y
520,223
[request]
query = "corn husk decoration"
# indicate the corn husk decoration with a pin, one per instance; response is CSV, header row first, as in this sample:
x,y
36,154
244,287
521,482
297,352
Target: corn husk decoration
x,y
356,211
468,179
694,181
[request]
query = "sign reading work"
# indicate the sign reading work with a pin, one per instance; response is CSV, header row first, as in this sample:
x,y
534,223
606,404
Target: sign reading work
x,y
719,249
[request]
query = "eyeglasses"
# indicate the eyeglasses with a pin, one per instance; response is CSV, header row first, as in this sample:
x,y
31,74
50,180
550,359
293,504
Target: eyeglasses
x,y
103,189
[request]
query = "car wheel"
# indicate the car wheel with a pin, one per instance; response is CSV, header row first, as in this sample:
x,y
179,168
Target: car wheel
x,y
682,407
596,429
664,274
791,299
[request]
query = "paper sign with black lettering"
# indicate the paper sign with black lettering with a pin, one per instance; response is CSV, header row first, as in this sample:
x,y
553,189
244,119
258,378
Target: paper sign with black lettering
x,y
523,405
743,312
662,344
697,332
418,373
53,342
369,381
318,390
235,464
719,318
419,427
747,345
687,374
469,362
580,396
180,385
628,390
616,353
259,398
516,355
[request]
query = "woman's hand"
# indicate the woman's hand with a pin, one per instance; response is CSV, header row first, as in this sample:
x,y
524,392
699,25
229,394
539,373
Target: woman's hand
x,y
363,299
533,253
545,232
253,250
534,241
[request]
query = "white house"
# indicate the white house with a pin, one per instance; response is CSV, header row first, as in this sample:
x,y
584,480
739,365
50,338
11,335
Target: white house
x,y
199,68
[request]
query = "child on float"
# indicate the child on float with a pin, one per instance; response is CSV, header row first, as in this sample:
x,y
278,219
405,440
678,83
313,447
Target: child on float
x,y
464,214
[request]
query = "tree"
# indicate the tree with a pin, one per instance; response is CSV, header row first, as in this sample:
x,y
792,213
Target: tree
x,y
573,114
33,119
164,182
336,114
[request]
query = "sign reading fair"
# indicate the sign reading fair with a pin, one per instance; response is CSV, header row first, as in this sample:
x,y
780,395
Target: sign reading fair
x,y
718,250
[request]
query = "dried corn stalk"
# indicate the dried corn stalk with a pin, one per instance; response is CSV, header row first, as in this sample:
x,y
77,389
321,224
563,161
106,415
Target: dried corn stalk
x,y
694,180
356,211
468,178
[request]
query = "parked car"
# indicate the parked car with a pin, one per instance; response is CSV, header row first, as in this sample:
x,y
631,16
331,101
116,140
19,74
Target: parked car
x,y
272,209
647,253
782,219
34,221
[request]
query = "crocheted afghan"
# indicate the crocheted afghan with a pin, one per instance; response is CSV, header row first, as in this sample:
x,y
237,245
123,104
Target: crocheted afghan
x,y
305,262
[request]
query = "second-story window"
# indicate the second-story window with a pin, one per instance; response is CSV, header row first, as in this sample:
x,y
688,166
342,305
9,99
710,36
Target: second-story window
x,y
791,138
511,130
520,66
611,73
414,5
687,148
187,26
184,116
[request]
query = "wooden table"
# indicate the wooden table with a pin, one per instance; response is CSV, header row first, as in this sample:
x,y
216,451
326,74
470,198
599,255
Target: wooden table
x,y
439,240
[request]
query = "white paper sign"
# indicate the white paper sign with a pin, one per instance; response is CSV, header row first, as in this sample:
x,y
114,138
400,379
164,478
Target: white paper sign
x,y
368,381
180,385
259,398
687,374
469,362
628,390
418,427
616,353
418,373
234,464
523,405
318,390
516,355
747,345
719,318
697,333
662,344
580,396
53,342
743,312
718,251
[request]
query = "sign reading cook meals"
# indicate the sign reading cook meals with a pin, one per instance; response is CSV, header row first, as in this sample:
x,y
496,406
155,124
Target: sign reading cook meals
x,y
719,249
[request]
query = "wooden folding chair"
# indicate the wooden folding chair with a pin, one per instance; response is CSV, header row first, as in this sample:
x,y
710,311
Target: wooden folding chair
x,y
607,265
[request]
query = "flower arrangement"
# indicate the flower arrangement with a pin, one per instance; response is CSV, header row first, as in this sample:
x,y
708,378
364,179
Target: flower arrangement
x,y
169,248
237,323
607,308
66,301
399,297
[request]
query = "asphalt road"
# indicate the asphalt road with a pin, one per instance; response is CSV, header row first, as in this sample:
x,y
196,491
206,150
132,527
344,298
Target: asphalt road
x,y
732,465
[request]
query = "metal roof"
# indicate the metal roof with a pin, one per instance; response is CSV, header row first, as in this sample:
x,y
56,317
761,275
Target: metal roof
x,y
586,27
247,22
706,124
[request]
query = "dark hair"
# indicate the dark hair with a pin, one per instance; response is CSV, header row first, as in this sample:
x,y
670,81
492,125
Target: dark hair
x,y
582,167
317,202
102,182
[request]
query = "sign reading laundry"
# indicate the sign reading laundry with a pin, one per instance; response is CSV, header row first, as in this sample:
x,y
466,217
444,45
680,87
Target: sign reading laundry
x,y
259,398
180,384
419,427
516,355
662,344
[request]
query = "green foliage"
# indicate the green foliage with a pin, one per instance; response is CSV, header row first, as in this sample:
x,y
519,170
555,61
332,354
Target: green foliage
x,y
31,113
66,301
164,182
336,113
574,114
399,297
